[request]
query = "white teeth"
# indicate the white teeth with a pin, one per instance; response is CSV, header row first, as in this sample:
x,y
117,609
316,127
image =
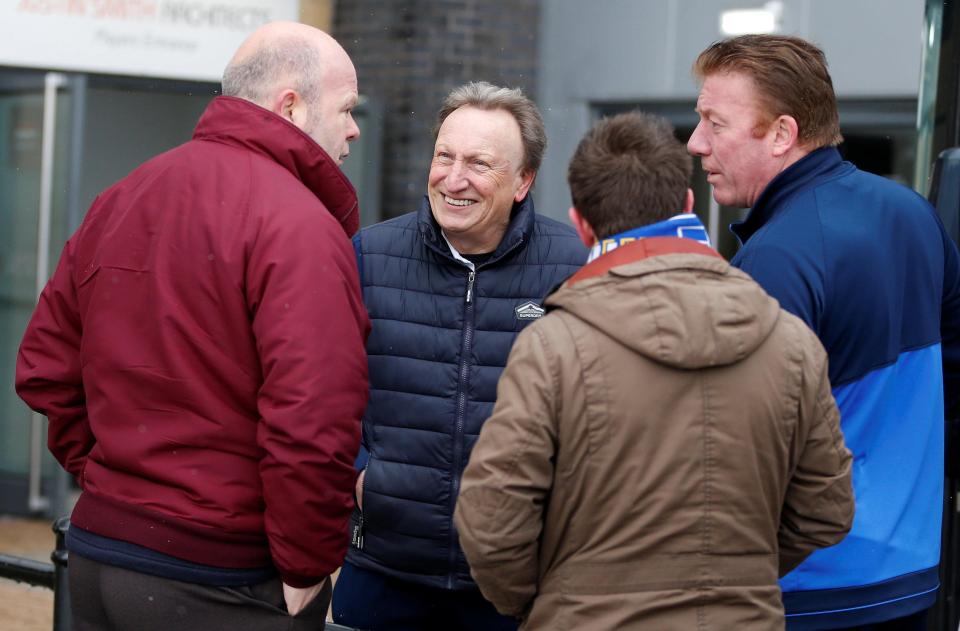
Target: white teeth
x,y
457,202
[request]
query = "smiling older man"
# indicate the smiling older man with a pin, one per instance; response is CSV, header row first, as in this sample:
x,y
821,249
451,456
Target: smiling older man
x,y
448,289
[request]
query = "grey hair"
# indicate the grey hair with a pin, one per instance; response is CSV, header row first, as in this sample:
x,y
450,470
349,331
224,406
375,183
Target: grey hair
x,y
292,59
486,96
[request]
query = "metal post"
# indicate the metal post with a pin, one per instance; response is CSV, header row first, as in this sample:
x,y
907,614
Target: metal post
x,y
52,82
61,589
59,503
78,116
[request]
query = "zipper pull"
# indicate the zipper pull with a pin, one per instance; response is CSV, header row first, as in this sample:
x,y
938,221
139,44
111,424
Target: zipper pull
x,y
470,278
357,539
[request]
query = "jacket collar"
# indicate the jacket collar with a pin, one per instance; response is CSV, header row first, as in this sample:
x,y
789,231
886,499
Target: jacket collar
x,y
637,251
240,123
519,230
820,164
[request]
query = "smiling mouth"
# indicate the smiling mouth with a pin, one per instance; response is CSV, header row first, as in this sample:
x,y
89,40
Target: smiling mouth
x,y
458,202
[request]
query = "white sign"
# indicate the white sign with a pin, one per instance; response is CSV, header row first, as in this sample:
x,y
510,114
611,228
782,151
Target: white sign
x,y
179,39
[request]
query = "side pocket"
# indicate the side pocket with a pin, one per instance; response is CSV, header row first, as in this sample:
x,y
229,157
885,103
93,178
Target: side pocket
x,y
267,595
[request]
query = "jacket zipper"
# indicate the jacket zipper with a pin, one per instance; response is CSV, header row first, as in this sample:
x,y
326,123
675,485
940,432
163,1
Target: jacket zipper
x,y
470,278
467,344
357,539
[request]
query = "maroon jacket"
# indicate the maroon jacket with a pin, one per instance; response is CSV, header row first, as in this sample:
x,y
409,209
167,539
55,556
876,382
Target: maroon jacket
x,y
199,351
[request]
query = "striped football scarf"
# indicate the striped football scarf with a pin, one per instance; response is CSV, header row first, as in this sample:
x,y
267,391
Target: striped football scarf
x,y
685,226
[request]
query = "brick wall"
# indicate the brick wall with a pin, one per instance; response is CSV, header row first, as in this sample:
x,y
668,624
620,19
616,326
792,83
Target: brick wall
x,y
410,53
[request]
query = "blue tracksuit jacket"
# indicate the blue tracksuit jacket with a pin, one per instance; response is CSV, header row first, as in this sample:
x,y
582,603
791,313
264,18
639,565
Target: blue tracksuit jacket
x,y
867,265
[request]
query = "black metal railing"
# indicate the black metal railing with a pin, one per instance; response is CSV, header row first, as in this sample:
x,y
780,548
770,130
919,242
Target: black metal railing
x,y
27,571
50,575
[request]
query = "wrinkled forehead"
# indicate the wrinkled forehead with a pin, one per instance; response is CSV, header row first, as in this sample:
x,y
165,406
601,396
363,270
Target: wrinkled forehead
x,y
729,93
472,129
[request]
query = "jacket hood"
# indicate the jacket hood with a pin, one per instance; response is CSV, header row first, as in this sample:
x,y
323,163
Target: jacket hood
x,y
239,122
683,310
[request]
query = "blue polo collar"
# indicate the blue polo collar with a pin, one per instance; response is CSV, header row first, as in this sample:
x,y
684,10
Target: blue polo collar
x,y
814,168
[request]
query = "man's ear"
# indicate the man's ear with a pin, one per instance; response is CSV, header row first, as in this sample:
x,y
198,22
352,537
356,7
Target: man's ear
x,y
786,135
288,104
526,181
688,202
584,230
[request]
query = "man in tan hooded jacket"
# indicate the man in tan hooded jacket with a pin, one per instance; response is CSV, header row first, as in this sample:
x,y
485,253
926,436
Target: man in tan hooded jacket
x,y
665,443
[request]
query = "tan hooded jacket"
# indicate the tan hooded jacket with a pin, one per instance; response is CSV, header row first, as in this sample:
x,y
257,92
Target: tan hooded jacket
x,y
664,445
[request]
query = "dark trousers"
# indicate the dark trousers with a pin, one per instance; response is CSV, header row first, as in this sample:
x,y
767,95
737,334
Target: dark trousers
x,y
108,598
371,601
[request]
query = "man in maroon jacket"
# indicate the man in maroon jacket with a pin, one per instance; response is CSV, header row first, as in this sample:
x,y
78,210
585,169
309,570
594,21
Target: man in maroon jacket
x,y
199,353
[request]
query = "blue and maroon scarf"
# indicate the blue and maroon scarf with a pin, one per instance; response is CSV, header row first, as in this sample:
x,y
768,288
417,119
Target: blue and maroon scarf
x,y
684,225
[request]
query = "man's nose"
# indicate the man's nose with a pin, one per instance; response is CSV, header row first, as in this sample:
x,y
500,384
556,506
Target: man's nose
x,y
697,145
353,131
456,177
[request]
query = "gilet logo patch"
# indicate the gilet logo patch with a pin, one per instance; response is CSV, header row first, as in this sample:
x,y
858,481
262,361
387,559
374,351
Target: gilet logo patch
x,y
529,311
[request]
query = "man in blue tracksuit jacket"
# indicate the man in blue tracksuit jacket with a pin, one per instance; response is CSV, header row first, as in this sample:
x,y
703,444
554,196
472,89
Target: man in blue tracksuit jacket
x,y
448,289
867,264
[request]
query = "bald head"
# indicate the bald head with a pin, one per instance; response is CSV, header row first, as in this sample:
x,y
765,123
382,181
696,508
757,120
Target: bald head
x,y
301,73
280,55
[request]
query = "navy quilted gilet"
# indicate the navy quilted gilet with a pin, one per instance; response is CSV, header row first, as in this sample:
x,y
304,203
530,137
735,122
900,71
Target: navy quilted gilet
x,y
441,336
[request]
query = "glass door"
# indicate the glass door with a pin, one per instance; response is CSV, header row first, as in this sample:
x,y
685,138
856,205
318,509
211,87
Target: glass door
x,y
35,122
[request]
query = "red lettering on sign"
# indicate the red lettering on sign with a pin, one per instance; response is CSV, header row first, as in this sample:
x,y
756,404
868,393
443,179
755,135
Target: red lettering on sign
x,y
48,7
124,9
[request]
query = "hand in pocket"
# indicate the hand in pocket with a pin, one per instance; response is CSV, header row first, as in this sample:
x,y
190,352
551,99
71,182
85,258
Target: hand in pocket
x,y
297,598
